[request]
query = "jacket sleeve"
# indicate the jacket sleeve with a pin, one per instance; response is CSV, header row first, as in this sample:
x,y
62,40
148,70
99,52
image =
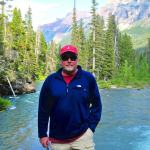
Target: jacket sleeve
x,y
95,105
43,110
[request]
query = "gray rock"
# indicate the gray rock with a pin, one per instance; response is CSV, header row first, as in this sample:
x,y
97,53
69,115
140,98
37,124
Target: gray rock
x,y
19,87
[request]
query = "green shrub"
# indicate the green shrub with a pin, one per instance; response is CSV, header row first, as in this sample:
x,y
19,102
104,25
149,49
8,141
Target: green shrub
x,y
4,103
104,84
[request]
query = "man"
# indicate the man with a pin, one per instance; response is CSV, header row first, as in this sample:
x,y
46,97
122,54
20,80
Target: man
x,y
70,99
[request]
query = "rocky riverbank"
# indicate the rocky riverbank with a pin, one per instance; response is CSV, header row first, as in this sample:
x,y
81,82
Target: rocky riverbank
x,y
19,87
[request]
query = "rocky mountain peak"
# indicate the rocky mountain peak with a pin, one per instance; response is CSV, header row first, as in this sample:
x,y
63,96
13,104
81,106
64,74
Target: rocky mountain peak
x,y
127,12
128,1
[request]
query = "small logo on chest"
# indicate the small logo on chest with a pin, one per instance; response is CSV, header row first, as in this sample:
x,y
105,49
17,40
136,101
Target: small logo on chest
x,y
79,86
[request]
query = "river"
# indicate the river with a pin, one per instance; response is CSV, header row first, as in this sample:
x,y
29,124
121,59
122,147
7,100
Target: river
x,y
125,123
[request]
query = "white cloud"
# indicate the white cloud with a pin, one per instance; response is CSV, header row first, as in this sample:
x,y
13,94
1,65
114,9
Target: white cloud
x,y
41,12
46,11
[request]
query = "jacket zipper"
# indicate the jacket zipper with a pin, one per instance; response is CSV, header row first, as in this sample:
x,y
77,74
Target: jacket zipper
x,y
67,88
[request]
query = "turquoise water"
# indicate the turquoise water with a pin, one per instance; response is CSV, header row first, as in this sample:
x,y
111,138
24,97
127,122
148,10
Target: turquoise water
x,y
125,123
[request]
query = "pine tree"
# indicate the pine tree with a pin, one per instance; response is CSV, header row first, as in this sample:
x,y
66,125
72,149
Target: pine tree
x,y
1,35
89,47
93,33
2,15
30,35
18,45
7,36
82,47
141,67
109,68
31,47
126,51
42,54
18,32
37,45
99,47
52,57
116,49
74,33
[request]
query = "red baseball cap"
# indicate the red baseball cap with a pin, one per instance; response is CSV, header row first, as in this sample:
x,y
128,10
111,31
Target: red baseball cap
x,y
68,48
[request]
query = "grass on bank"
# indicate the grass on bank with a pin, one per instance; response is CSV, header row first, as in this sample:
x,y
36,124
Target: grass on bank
x,y
41,77
121,83
4,104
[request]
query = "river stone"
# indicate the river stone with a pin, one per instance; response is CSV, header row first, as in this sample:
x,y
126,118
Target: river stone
x,y
19,87
29,87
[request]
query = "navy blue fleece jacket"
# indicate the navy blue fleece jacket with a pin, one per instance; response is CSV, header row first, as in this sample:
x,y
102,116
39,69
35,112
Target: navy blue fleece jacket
x,y
71,108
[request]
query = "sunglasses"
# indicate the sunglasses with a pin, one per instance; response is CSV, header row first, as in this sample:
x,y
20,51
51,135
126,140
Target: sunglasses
x,y
65,57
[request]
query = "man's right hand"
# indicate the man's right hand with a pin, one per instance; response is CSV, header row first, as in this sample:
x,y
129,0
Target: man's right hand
x,y
44,141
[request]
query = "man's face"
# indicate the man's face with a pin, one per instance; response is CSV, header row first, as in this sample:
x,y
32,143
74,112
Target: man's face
x,y
69,62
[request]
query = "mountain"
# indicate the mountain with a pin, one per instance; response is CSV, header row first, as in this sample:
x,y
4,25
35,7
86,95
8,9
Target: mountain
x,y
58,29
140,32
128,13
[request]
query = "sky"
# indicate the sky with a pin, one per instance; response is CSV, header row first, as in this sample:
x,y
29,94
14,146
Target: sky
x,y
47,11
